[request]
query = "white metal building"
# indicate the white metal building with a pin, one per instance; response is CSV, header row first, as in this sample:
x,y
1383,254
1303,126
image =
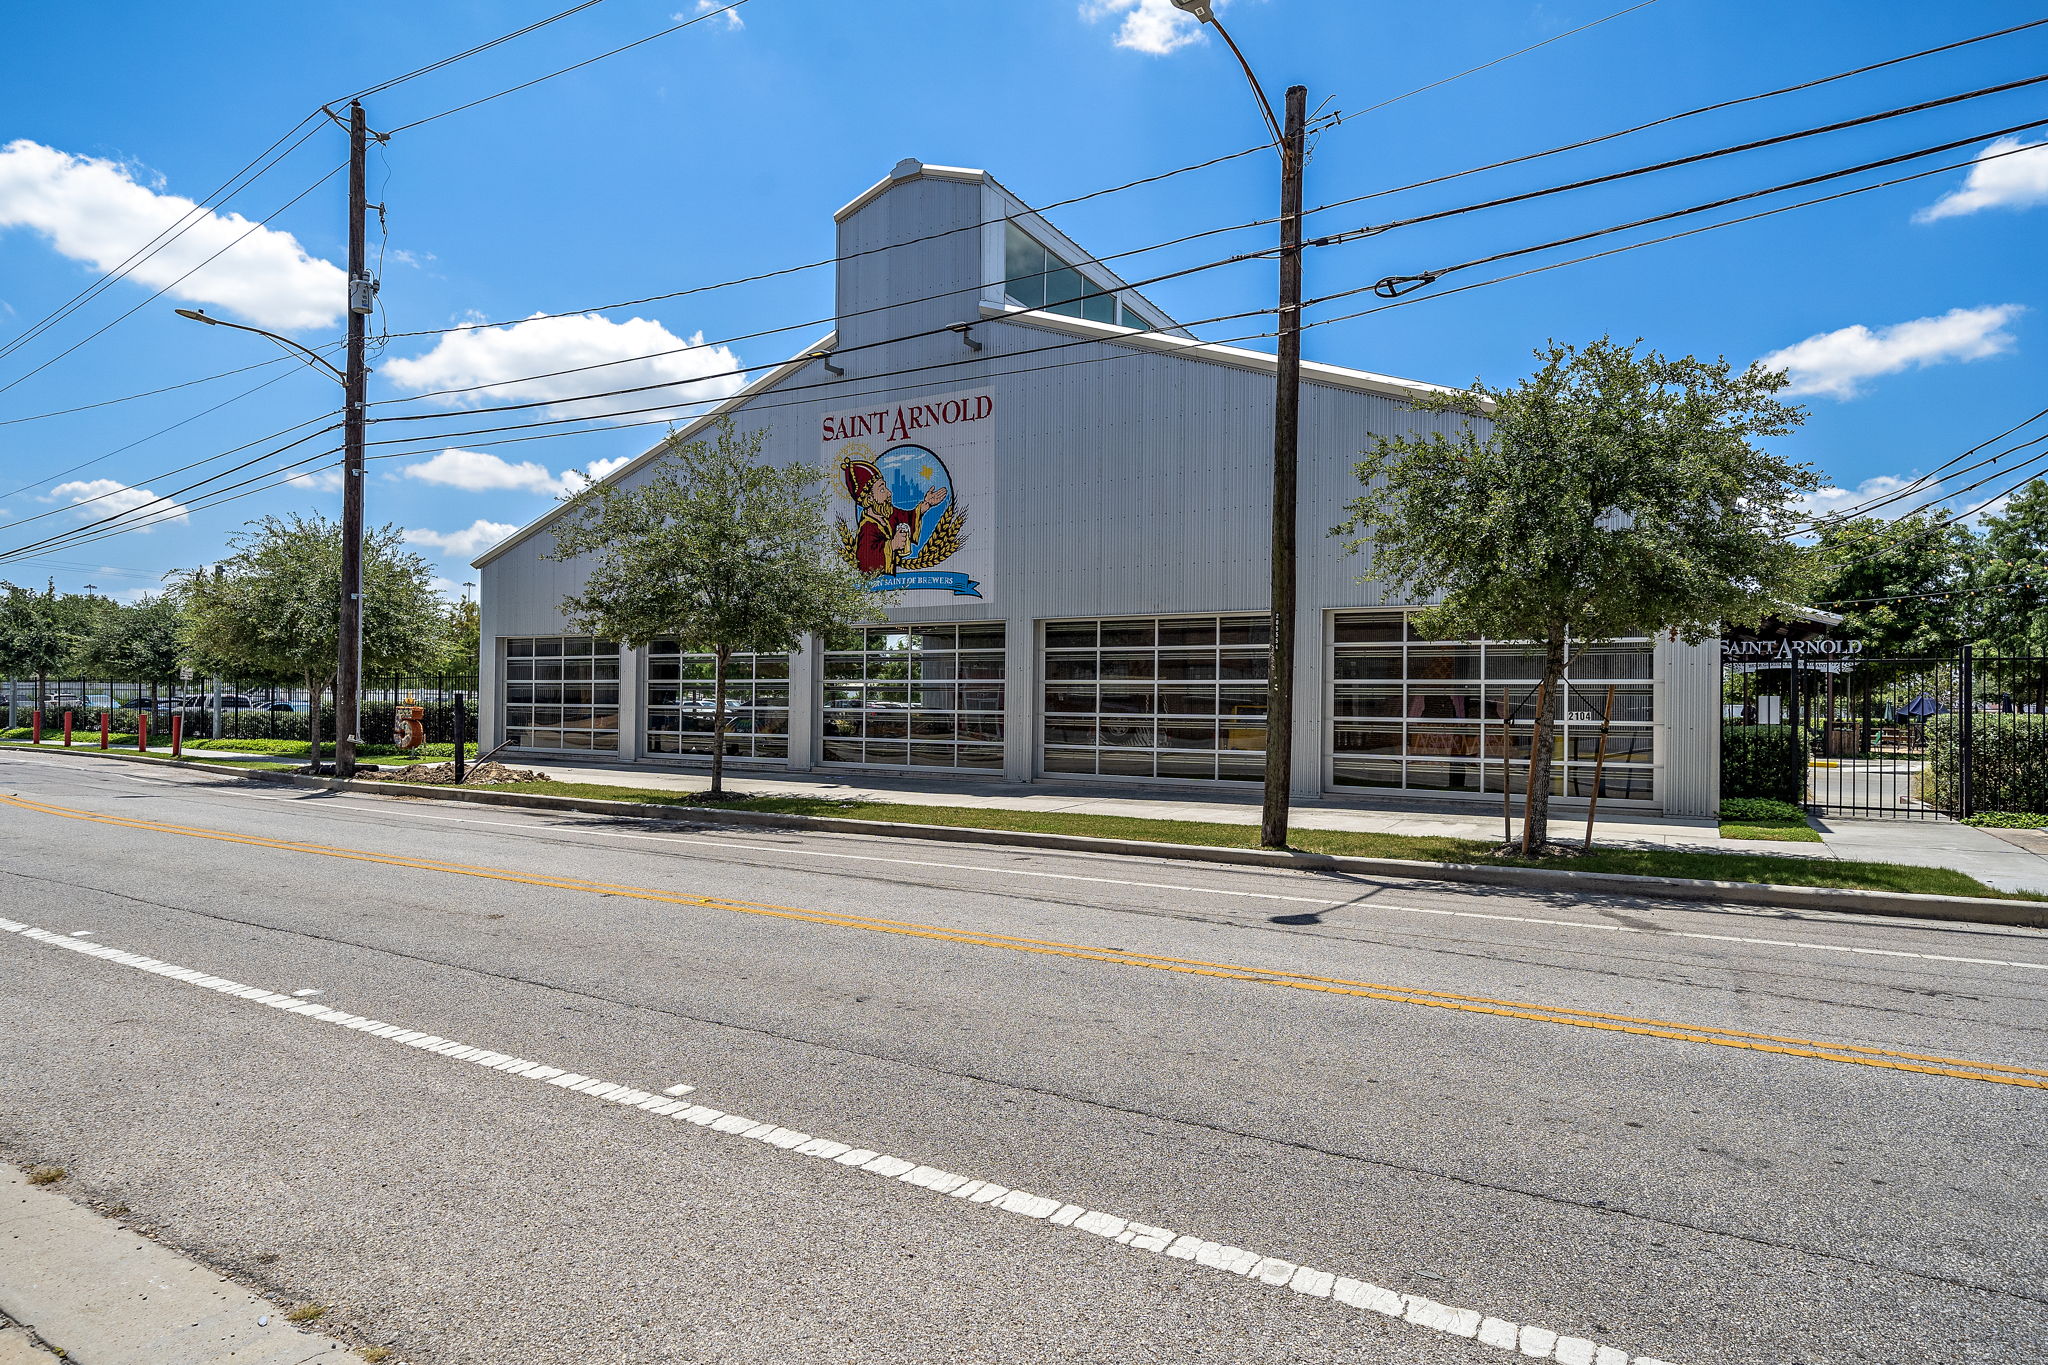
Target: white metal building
x,y
1075,513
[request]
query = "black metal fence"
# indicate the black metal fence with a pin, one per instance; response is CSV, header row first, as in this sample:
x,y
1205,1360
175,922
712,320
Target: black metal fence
x,y
244,712
1924,738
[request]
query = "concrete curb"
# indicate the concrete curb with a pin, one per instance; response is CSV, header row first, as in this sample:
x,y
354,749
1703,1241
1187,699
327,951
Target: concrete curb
x,y
109,1296
1970,909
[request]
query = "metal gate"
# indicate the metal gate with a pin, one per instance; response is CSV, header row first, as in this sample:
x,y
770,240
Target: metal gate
x,y
1901,738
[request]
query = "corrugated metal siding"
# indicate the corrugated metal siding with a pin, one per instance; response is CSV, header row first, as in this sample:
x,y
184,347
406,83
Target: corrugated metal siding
x,y
1690,705
1128,482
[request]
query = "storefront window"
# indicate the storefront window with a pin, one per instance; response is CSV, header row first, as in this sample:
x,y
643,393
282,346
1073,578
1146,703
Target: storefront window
x,y
915,697
681,708
561,693
1428,715
1178,696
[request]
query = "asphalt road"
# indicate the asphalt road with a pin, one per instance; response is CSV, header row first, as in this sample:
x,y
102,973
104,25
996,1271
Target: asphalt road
x,y
1222,1115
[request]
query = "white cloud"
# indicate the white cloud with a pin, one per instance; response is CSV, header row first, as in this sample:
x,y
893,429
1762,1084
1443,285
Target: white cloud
x,y
1827,502
732,16
2009,174
1154,27
1833,363
319,480
597,469
446,588
97,498
92,210
646,352
476,471
467,543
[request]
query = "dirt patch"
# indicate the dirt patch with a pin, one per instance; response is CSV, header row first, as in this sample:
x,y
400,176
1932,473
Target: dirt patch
x,y
476,775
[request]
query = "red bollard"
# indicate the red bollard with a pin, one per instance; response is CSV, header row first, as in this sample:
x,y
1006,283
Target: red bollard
x,y
67,729
35,727
105,728
177,736
142,732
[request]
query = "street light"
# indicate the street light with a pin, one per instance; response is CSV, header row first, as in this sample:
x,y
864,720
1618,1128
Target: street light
x,y
1290,143
197,316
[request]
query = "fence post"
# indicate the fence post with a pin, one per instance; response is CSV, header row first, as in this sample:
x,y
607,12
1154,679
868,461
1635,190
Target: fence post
x,y
142,732
106,727
459,765
177,734
36,727
1802,764
67,729
1966,736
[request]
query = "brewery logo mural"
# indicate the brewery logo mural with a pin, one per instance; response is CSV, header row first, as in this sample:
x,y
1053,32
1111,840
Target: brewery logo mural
x,y
917,480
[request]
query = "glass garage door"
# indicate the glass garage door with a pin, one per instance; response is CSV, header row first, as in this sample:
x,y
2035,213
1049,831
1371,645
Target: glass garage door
x,y
561,693
1427,715
1176,696
681,709
915,697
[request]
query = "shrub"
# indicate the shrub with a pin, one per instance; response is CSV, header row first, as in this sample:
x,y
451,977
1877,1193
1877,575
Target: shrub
x,y
2005,819
1762,761
2008,767
1754,808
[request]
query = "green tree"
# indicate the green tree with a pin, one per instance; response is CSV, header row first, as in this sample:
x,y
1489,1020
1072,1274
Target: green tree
x,y
1612,493
273,609
716,549
465,632
139,643
2013,571
1900,586
38,635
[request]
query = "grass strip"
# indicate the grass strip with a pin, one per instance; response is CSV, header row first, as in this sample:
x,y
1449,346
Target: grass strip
x,y
1761,868
1783,831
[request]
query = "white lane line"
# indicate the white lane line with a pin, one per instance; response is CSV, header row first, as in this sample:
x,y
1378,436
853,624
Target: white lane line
x,y
80,933
1223,891
1531,1341
308,991
679,1090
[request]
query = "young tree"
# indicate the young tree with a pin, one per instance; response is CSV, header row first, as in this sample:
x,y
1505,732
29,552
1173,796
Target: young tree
x,y
712,547
2013,567
1612,493
1900,586
274,607
139,643
37,635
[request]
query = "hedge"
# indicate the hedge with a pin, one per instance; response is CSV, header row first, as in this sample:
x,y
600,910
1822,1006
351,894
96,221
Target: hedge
x,y
2008,767
1762,760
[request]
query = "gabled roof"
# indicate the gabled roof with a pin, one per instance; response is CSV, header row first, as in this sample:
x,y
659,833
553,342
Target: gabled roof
x,y
753,390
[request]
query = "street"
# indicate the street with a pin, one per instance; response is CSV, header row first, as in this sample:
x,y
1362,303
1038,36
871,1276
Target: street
x,y
1138,1110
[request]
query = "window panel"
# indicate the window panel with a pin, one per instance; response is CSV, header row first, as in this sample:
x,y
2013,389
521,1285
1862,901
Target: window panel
x,y
1165,729
1426,715
901,693
680,703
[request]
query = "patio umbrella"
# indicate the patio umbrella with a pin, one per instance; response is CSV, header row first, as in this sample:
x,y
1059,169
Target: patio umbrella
x,y
1922,705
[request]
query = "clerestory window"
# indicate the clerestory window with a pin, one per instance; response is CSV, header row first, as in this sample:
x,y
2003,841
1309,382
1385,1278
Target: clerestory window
x,y
1036,278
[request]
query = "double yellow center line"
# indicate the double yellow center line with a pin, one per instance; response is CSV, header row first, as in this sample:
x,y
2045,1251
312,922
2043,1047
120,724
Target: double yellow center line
x,y
1846,1053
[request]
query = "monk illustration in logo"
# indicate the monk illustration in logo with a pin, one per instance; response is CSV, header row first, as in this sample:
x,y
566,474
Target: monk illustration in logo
x,y
886,531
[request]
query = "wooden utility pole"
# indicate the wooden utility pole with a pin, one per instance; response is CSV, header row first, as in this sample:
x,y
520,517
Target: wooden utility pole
x,y
1286,449
362,300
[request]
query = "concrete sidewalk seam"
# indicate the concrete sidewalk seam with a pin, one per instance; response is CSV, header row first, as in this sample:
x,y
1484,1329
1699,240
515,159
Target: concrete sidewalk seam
x,y
1968,909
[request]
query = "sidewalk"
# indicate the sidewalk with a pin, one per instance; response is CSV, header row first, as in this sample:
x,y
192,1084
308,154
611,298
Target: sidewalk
x,y
2007,865
101,1294
1450,819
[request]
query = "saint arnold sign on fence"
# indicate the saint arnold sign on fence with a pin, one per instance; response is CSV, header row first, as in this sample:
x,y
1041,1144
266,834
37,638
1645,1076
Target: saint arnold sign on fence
x,y
1785,651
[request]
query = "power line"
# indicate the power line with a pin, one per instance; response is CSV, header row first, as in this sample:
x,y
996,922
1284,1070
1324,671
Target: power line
x,y
185,222
253,228
577,66
1869,506
1673,118
1394,286
140,440
466,53
1406,301
841,351
1856,509
822,321
1518,52
147,393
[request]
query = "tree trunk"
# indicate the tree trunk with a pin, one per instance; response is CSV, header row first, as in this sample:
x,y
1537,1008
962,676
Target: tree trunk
x,y
1536,810
719,657
313,727
42,690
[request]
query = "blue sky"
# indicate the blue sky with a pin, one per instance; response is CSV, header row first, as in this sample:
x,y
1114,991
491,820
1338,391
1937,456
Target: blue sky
x,y
721,150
